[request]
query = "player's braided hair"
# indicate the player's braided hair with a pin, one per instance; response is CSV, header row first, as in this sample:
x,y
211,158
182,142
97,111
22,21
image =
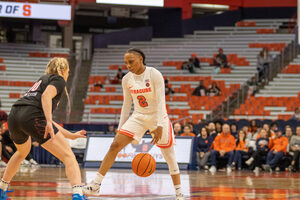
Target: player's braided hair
x,y
55,66
138,51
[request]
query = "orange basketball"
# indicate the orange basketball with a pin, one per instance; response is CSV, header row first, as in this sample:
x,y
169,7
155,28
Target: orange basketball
x,y
143,164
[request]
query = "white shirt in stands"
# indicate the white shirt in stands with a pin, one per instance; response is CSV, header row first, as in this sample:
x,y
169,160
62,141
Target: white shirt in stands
x,y
147,91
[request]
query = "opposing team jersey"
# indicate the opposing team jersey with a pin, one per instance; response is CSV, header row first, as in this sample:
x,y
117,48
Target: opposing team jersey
x,y
147,91
33,95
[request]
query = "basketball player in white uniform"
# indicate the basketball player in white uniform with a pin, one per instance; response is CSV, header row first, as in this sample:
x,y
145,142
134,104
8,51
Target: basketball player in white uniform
x,y
145,87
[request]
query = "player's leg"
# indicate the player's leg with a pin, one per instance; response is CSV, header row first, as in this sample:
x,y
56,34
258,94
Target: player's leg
x,y
61,149
131,130
120,141
170,158
166,146
13,165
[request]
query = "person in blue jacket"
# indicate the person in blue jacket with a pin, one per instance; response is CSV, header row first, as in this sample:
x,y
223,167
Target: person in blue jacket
x,y
204,142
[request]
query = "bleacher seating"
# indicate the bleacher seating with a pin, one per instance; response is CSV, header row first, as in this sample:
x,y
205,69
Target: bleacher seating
x,y
241,44
21,65
278,99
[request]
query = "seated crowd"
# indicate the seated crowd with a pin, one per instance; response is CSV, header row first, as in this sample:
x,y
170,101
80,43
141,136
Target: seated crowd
x,y
252,147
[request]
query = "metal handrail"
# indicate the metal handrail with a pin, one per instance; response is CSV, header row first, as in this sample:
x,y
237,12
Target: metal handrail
x,y
74,81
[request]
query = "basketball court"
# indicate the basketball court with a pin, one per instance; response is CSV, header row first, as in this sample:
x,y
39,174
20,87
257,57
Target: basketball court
x,y
51,183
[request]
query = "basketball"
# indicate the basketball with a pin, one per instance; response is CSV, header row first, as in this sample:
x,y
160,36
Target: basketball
x,y
143,164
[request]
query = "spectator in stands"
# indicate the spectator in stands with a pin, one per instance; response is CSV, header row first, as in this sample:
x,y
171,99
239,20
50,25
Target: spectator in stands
x,y
168,88
262,148
204,142
252,127
274,128
295,148
195,60
3,115
120,74
251,140
111,129
220,60
187,131
189,65
252,86
296,115
212,130
233,129
268,130
218,126
240,150
177,129
288,133
263,62
200,90
245,129
9,148
214,90
98,84
278,147
223,146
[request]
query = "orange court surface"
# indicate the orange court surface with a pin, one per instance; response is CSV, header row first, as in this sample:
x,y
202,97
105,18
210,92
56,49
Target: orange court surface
x,y
51,183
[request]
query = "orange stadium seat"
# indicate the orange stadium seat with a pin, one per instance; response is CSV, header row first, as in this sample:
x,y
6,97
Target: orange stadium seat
x,y
113,67
265,31
4,83
245,24
14,95
64,55
2,67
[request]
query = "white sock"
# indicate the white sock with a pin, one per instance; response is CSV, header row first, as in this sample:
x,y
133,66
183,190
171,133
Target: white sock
x,y
77,189
98,179
178,190
4,185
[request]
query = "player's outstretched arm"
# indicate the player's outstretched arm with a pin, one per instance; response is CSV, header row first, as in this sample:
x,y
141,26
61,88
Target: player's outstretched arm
x,y
68,134
46,99
127,102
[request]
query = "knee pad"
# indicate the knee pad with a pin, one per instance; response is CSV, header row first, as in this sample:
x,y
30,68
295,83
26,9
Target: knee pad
x,y
170,157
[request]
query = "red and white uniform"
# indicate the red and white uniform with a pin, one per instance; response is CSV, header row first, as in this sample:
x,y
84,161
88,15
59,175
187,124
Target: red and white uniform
x,y
147,91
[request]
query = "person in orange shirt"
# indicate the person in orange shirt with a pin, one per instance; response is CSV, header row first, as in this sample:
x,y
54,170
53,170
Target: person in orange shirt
x,y
240,150
224,146
278,147
187,131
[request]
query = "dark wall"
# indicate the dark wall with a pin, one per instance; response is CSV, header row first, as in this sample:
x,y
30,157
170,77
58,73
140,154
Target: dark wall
x,y
275,12
122,37
166,22
209,22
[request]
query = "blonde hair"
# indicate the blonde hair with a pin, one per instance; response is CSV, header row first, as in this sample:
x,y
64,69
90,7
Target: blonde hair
x,y
55,66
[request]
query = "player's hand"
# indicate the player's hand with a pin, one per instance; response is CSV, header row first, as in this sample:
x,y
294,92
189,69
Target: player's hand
x,y
9,149
49,130
222,153
156,134
78,134
201,154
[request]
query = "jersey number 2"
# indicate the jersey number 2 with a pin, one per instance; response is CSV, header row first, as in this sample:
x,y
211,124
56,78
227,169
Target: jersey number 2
x,y
142,101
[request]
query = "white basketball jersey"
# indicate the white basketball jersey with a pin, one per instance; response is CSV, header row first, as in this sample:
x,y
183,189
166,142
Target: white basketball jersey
x,y
147,92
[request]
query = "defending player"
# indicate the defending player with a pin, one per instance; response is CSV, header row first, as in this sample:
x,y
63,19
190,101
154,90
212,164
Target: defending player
x,y
31,116
145,87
